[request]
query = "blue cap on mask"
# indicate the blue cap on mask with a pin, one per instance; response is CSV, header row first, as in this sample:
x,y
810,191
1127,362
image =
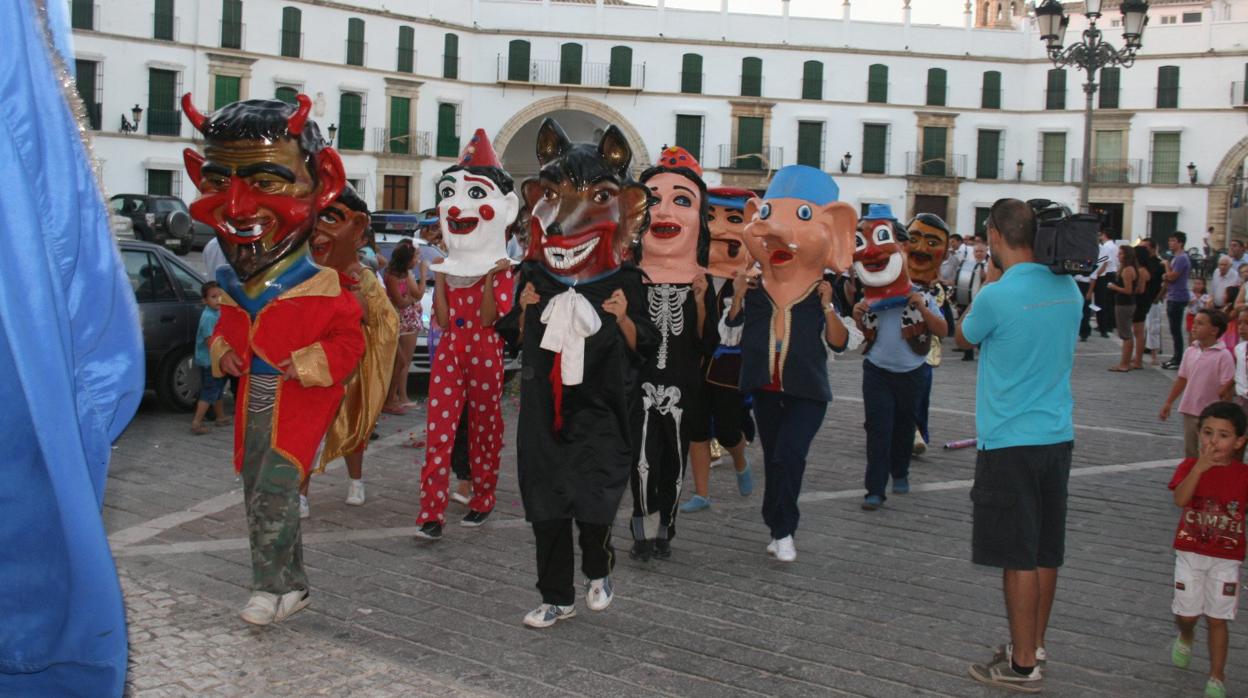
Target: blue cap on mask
x,y
805,183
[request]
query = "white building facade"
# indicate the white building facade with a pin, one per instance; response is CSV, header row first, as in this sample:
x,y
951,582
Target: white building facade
x,y
924,118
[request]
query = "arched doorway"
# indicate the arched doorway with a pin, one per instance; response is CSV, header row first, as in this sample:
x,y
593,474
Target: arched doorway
x,y
583,119
1227,209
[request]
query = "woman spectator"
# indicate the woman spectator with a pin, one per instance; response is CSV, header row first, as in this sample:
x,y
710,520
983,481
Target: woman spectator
x,y
1125,288
1148,286
405,292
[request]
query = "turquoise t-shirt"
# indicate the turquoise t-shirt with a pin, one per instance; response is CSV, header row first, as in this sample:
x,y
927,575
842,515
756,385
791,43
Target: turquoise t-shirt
x,y
1025,325
207,323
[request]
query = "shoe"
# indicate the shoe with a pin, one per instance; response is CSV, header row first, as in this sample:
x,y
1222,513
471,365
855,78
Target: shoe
x,y
304,510
355,493
548,614
474,518
901,485
642,549
461,498
199,429
662,548
1000,673
785,550
745,479
920,446
872,502
1083,339
374,436
1215,689
1181,653
1104,334
430,530
696,503
968,356
290,603
598,594
260,608
771,547
1007,651
1170,365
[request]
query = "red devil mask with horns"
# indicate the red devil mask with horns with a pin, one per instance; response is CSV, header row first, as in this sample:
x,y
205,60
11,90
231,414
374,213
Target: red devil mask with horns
x,y
264,174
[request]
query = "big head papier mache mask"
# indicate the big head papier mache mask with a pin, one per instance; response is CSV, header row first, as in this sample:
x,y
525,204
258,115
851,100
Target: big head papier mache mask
x,y
340,232
880,257
798,230
726,218
476,203
674,248
585,210
264,176
929,242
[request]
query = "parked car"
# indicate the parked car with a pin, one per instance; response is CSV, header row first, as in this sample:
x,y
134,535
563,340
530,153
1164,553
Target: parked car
x,y
167,291
161,220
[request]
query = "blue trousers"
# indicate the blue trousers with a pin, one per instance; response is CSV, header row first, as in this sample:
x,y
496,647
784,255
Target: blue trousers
x,y
889,401
786,426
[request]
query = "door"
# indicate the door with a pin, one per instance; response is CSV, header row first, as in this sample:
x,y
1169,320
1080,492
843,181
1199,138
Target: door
x,y
395,194
1161,225
939,205
1111,219
749,143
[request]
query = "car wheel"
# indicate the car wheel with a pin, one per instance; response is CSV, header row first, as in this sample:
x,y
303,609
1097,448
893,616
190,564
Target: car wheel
x,y
178,384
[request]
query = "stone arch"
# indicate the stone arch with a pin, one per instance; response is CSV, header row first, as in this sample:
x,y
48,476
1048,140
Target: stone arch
x,y
1218,205
570,102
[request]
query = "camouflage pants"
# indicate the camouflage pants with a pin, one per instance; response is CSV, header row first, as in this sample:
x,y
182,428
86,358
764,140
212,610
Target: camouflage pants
x,y
271,493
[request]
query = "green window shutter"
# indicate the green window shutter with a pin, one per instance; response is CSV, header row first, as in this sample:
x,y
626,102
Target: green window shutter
x,y
1053,157
749,142
981,220
987,158
406,62
85,72
162,20
231,23
991,97
1165,166
570,64
1161,225
875,149
812,80
292,32
935,157
160,182
1109,88
691,74
287,94
82,14
1055,92
355,41
448,131
350,122
810,143
936,87
400,118
751,77
877,84
518,60
450,56
226,90
689,134
1168,87
621,70
162,114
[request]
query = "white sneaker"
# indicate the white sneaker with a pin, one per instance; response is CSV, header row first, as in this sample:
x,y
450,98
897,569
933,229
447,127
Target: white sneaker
x,y
304,511
771,547
547,615
920,446
785,552
260,608
599,594
290,602
355,493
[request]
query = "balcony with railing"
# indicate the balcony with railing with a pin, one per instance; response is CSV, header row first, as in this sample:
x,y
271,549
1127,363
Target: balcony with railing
x,y
733,157
233,34
1239,95
556,72
357,52
163,122
350,138
1108,171
691,82
94,115
418,144
450,66
947,166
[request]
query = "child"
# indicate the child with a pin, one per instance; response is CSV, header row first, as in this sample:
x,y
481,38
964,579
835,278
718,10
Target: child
x,y
1208,370
1199,300
210,386
1209,542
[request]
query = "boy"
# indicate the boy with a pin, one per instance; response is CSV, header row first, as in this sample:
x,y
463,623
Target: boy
x,y
1206,374
210,386
1209,542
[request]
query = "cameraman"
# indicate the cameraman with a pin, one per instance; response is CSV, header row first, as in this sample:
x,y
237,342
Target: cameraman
x,y
1026,325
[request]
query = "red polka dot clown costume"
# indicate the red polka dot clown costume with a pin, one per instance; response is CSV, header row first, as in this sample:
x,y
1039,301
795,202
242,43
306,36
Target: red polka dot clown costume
x,y
474,287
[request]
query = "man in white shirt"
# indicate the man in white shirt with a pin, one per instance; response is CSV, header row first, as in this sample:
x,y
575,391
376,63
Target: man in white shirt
x,y
954,259
213,258
1101,278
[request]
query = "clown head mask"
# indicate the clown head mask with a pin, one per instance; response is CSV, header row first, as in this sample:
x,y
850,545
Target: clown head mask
x,y
797,230
929,242
476,203
264,175
674,247
340,232
585,210
726,219
879,255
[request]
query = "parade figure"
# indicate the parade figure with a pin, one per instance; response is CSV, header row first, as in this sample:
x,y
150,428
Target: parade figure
x,y
474,287
788,323
287,328
584,329
925,254
898,321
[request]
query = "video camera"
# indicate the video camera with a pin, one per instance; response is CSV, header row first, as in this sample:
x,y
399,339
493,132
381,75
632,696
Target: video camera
x,y
1065,242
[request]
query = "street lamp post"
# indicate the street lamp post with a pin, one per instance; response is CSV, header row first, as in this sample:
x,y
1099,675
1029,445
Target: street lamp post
x,y
1090,55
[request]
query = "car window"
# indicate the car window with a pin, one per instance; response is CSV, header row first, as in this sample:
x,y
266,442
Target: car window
x,y
165,205
185,280
116,204
147,277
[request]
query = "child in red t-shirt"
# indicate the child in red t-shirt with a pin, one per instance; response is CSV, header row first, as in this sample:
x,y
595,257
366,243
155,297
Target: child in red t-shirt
x,y
1209,542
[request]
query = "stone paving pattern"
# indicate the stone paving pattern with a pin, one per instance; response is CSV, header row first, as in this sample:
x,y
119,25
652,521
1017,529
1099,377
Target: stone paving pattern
x,y
879,603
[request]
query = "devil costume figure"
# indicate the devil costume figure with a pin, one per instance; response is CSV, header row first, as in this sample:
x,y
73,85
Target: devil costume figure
x,y
476,203
681,303
583,324
287,328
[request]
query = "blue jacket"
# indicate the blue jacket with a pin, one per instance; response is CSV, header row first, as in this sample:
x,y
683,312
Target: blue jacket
x,y
802,351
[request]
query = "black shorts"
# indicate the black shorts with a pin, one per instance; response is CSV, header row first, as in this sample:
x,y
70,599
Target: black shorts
x,y
1141,310
725,407
1020,506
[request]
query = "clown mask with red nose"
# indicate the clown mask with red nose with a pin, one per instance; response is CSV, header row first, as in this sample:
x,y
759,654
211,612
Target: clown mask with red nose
x,y
879,255
476,204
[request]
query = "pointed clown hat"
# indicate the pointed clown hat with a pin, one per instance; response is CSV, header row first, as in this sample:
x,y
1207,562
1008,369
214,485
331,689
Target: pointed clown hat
x,y
479,152
675,156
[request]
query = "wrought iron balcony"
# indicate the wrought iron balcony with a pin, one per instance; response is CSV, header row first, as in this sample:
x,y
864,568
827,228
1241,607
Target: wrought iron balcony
x,y
947,166
409,143
555,72
733,156
1108,171
163,122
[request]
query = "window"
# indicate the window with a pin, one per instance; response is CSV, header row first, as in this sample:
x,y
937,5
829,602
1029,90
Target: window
x,y
350,121
400,123
877,84
231,23
163,117
355,41
749,143
751,77
160,182
89,89
875,149
395,192
1108,166
407,50
1055,93
570,64
1109,87
1168,87
810,143
935,156
226,90
812,80
292,32
620,73
185,281
990,98
691,74
988,155
82,14
936,78
518,60
1161,225
1165,158
1191,17
448,130
1052,157
287,94
689,134
162,20
147,276
981,220
450,56
1170,19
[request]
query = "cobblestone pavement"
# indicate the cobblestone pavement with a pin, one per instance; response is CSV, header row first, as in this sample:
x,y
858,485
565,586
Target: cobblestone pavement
x,y
879,603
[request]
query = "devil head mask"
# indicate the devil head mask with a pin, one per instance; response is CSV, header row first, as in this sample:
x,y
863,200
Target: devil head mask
x,y
585,210
879,255
264,176
726,219
929,242
340,232
476,203
674,248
